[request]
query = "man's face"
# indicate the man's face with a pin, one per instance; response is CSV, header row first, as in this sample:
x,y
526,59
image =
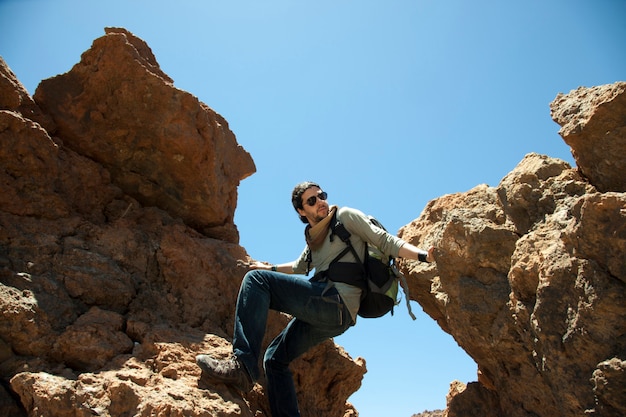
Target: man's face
x,y
316,212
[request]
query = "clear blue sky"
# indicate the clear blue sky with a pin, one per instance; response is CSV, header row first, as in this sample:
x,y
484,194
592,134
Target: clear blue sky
x,y
388,105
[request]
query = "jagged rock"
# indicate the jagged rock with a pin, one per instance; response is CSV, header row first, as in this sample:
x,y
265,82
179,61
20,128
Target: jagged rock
x,y
109,283
429,413
471,399
593,125
161,145
14,97
25,326
531,283
609,386
29,158
92,340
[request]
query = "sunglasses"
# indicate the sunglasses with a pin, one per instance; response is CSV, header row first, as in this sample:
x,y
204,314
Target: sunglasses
x,y
311,201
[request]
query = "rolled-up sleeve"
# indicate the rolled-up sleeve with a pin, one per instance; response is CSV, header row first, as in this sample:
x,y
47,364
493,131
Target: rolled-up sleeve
x,y
300,265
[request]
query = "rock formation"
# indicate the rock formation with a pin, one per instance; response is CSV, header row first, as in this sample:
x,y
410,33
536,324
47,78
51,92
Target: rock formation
x,y
119,258
532,273
118,252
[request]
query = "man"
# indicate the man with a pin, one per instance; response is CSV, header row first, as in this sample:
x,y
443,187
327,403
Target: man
x,y
320,309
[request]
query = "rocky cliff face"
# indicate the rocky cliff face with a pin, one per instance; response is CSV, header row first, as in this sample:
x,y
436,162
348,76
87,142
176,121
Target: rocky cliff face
x,y
119,257
531,274
118,252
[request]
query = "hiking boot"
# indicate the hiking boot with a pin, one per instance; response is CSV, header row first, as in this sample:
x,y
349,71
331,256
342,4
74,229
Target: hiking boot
x,y
228,371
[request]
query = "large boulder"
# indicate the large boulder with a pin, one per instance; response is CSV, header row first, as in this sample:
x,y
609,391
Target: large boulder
x,y
531,274
119,259
592,124
161,145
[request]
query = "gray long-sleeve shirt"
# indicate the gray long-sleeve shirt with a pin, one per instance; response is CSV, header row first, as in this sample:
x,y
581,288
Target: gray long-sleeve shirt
x,y
362,231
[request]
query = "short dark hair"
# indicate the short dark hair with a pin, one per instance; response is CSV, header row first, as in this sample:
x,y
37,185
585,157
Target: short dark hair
x,y
296,196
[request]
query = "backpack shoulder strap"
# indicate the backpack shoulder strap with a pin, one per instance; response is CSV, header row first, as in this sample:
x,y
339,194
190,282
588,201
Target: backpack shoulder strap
x,y
338,229
309,260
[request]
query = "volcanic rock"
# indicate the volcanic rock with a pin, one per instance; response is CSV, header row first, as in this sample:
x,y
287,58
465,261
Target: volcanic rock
x,y
530,278
161,145
593,125
119,260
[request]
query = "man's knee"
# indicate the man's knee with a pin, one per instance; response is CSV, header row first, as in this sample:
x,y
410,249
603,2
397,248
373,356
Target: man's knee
x,y
272,363
254,277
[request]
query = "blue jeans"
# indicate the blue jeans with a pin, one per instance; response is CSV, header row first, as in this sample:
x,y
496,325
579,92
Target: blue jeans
x,y
317,316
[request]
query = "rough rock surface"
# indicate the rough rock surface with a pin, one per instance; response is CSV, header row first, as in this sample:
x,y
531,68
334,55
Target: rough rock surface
x,y
118,254
531,277
185,160
594,125
119,258
428,413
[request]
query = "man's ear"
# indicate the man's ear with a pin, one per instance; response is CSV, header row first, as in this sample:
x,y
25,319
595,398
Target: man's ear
x,y
301,212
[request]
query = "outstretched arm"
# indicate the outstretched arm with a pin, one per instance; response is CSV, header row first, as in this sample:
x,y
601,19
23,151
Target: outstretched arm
x,y
286,268
409,251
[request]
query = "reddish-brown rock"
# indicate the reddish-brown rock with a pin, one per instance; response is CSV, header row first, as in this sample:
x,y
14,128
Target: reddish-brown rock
x,y
531,278
13,96
592,121
161,145
118,255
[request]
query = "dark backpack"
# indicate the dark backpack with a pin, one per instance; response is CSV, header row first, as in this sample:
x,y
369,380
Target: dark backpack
x,y
378,276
